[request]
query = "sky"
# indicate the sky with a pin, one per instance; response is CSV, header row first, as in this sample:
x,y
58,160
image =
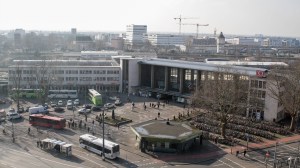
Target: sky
x,y
242,17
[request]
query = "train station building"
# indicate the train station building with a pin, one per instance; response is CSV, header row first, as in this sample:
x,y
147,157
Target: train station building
x,y
178,80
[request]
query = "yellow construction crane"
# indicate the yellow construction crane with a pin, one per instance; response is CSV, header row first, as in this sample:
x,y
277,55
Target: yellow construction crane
x,y
180,18
197,26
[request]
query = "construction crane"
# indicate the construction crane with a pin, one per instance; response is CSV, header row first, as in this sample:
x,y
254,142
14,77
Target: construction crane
x,y
196,25
180,18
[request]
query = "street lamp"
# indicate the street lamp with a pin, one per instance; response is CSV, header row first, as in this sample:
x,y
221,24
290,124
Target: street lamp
x,y
13,130
73,109
103,147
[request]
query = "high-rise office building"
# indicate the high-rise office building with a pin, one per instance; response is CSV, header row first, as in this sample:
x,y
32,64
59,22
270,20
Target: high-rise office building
x,y
135,34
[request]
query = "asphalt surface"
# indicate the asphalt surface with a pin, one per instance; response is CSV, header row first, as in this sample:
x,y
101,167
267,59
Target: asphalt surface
x,y
25,154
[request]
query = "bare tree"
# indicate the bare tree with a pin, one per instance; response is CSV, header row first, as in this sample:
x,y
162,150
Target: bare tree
x,y
224,94
16,78
284,86
44,76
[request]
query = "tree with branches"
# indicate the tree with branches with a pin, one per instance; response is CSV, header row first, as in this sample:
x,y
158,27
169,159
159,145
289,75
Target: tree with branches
x,y
16,78
44,76
284,86
224,94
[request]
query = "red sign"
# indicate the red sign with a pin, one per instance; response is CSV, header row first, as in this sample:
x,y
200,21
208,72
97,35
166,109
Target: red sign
x,y
260,74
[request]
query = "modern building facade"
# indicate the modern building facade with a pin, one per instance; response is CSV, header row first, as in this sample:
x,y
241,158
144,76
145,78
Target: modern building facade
x,y
166,40
135,34
178,80
101,75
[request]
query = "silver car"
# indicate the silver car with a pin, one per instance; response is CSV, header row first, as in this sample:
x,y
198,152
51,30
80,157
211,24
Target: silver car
x,y
84,111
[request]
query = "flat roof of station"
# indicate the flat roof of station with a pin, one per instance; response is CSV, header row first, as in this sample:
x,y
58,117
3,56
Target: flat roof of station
x,y
251,71
159,129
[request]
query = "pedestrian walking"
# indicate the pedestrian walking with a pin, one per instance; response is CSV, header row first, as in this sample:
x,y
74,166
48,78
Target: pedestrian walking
x,y
145,107
28,130
85,118
88,129
201,138
93,122
237,153
158,114
245,152
69,124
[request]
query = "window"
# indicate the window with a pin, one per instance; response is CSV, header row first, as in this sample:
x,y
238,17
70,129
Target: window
x,y
260,83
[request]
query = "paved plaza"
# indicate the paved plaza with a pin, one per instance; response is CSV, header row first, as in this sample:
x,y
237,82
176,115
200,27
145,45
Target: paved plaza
x,y
24,153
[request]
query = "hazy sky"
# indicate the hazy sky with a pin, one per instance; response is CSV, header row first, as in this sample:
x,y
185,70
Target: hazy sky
x,y
268,17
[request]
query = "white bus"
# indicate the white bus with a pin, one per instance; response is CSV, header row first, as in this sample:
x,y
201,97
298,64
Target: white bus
x,y
64,94
94,144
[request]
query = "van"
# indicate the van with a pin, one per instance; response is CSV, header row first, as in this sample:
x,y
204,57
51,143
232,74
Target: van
x,y
13,115
2,115
38,110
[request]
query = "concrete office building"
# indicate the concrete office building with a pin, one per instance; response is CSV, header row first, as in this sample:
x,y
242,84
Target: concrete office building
x,y
166,39
178,80
135,35
101,75
104,55
243,41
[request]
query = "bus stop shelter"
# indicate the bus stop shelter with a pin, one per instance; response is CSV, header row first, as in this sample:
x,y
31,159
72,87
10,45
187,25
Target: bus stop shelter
x,y
59,146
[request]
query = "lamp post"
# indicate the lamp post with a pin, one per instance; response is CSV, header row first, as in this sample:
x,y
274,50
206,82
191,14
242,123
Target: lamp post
x,y
73,109
13,130
103,147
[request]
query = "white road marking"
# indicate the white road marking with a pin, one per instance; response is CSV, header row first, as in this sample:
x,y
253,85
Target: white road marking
x,y
225,163
234,162
218,165
264,163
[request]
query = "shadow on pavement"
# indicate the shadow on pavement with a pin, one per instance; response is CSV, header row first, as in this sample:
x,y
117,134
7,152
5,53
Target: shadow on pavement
x,y
123,162
207,153
63,156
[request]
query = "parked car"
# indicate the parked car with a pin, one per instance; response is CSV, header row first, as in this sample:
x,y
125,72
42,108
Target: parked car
x,y
11,110
38,110
87,106
2,102
69,104
46,105
60,103
53,104
76,102
84,111
2,115
13,115
96,108
109,105
20,110
59,109
113,98
118,102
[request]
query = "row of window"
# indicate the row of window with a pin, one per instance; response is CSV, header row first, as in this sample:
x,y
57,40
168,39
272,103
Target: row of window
x,y
258,84
258,93
68,71
73,78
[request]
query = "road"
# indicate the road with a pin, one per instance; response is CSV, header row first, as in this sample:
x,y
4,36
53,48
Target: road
x,y
24,153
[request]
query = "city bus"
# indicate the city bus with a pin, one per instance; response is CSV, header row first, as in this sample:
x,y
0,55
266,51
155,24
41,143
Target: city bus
x,y
64,94
25,93
94,144
95,97
47,121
